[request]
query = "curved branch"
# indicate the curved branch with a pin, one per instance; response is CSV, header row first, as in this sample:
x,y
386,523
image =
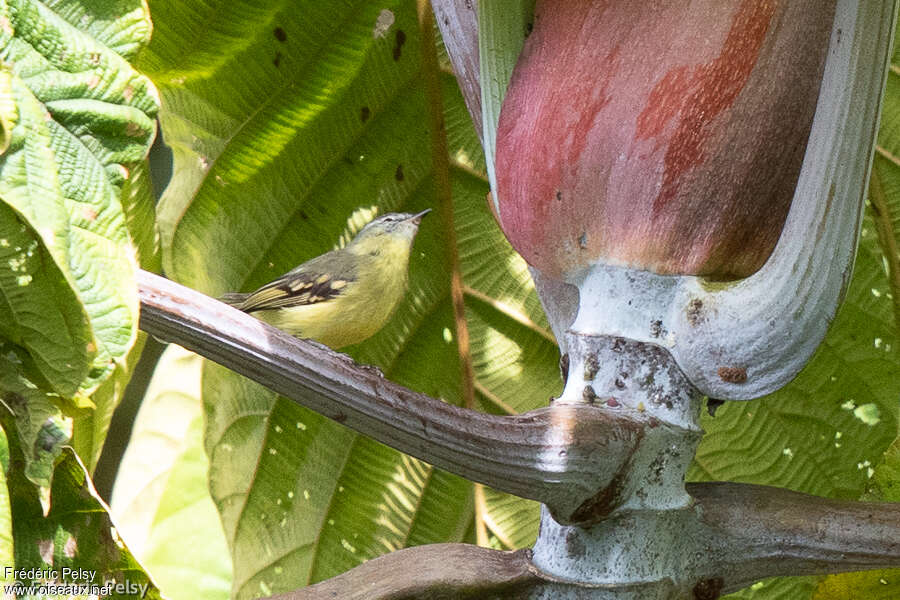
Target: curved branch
x,y
563,456
434,571
734,535
770,531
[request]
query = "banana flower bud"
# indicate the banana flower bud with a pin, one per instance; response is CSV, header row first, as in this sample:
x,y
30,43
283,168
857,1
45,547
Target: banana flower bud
x,y
697,172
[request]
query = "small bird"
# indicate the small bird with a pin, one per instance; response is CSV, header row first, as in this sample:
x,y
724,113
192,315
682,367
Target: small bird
x,y
344,296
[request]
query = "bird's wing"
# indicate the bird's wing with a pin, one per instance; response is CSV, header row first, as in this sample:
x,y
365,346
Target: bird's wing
x,y
313,281
235,299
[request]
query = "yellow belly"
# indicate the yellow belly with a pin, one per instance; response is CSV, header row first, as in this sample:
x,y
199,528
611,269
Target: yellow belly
x,y
351,318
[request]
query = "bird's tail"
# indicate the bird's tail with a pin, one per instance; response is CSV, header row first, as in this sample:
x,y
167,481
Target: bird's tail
x,y
235,299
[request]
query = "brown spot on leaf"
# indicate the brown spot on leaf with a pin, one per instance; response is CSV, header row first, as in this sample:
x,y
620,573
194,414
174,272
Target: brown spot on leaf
x,y
14,402
70,548
398,174
733,374
277,60
45,549
399,40
280,34
712,405
364,113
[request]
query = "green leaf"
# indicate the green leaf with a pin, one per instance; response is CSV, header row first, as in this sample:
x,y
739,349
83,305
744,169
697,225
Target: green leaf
x,y
139,205
82,116
38,309
888,148
511,521
123,26
90,427
301,497
41,429
887,475
161,498
884,188
871,585
777,588
7,556
75,540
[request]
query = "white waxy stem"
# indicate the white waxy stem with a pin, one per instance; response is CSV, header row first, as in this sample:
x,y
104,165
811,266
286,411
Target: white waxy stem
x,y
640,383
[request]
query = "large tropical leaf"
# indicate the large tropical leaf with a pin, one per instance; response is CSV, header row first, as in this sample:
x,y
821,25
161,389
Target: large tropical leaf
x,y
77,119
290,130
90,426
80,115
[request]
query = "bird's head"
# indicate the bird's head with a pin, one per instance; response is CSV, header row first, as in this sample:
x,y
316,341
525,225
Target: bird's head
x,y
388,230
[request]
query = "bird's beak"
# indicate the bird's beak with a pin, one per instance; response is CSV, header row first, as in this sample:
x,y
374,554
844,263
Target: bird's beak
x,y
416,218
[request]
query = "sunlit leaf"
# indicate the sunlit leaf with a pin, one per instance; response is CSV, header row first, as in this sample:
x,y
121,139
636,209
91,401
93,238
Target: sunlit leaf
x,y
329,131
82,116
